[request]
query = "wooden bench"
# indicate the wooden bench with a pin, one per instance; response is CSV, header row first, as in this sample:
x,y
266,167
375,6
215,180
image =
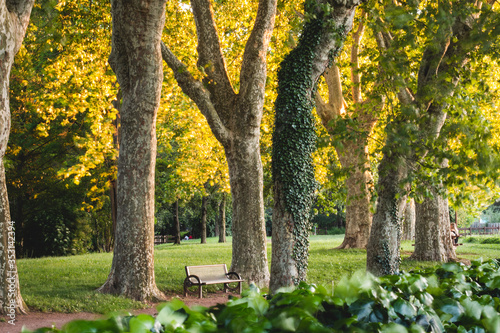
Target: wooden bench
x,y
199,276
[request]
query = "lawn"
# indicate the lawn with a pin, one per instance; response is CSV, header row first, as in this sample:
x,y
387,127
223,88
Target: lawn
x,y
67,284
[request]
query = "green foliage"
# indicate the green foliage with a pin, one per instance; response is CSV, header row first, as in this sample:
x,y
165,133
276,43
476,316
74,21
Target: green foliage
x,y
482,240
294,138
451,298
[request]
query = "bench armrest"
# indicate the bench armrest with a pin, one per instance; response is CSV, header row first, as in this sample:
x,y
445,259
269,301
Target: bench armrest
x,y
234,274
193,277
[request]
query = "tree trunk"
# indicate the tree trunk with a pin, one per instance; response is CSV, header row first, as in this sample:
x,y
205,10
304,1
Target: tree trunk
x,y
235,119
222,219
216,226
382,251
432,235
15,17
409,221
248,224
136,60
204,202
112,196
112,181
354,157
294,138
177,223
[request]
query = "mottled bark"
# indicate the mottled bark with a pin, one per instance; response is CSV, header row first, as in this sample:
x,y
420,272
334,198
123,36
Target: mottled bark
x,y
289,234
234,119
14,18
409,221
204,202
177,235
354,157
382,251
222,219
136,60
432,230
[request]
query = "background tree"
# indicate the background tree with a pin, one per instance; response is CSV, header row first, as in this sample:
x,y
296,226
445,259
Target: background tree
x,y
327,24
235,120
449,33
352,149
136,60
15,17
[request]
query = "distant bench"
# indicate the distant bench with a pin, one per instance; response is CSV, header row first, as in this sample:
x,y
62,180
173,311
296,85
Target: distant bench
x,y
199,276
162,239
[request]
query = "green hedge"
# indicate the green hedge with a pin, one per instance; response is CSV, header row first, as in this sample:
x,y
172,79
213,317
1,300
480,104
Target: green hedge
x,y
450,298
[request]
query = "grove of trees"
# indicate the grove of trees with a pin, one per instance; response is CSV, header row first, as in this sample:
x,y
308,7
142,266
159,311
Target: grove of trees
x,y
134,117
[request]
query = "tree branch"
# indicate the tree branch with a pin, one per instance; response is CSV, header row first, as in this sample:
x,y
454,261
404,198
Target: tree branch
x,y
355,76
253,69
197,92
384,40
209,51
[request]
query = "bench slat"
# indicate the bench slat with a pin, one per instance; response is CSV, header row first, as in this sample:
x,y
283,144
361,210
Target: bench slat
x,y
209,274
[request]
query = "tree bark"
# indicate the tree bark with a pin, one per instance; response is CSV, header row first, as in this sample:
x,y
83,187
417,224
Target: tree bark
x,y
136,60
409,221
382,252
177,223
204,202
354,157
293,138
234,119
432,230
15,15
112,181
222,219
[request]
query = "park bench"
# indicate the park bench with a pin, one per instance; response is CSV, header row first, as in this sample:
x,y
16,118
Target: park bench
x,y
199,276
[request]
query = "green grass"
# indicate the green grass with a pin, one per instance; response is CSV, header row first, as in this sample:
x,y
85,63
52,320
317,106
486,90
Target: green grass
x,y
68,284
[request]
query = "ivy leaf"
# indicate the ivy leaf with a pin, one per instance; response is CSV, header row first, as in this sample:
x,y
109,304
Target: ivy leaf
x,y
450,307
362,309
472,309
405,308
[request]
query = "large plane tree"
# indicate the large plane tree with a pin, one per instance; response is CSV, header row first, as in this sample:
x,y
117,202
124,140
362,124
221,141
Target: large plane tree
x,y
136,60
235,118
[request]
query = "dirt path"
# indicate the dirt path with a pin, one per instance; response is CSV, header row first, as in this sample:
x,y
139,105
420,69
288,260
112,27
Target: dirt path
x,y
35,320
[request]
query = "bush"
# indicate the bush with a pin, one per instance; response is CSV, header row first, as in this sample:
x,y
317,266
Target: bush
x,y
482,240
451,298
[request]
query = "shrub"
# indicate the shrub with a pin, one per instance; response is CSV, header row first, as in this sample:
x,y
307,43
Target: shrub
x,y
451,298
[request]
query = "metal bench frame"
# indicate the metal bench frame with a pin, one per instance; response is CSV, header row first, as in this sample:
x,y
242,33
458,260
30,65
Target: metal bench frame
x,y
210,274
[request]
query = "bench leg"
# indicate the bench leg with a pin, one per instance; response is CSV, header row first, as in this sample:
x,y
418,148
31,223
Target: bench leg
x,y
240,287
200,291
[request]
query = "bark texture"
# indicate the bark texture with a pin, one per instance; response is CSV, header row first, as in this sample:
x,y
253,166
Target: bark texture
x,y
432,231
14,19
234,119
409,221
136,60
293,138
204,202
382,252
353,153
440,66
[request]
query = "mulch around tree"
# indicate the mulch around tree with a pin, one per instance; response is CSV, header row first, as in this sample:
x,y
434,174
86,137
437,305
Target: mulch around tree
x,y
34,320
